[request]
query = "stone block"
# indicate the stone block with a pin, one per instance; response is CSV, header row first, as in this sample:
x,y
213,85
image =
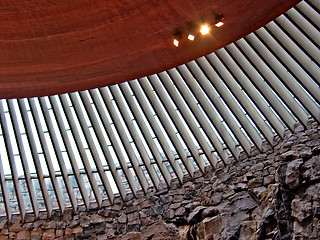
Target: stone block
x,y
48,234
23,235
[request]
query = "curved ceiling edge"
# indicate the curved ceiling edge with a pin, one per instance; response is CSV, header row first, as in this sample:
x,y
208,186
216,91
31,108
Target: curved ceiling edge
x,y
69,46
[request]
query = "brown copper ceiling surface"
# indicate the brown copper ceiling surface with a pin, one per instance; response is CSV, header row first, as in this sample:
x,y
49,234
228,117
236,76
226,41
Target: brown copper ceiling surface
x,y
57,46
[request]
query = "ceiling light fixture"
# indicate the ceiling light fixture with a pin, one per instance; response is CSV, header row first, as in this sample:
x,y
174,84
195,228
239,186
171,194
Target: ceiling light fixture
x,y
219,24
176,42
219,20
177,36
204,29
191,37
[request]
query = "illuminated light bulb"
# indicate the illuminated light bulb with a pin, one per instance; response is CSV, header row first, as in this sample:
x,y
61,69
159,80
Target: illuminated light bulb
x,y
205,29
219,24
191,37
176,42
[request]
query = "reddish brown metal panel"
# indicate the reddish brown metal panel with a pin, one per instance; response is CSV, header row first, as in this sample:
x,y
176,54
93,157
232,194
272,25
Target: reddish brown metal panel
x,y
60,46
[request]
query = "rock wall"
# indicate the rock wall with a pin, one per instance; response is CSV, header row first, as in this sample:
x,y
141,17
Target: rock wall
x,y
270,195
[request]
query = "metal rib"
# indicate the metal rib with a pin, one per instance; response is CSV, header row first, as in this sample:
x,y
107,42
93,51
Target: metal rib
x,y
44,146
124,138
58,153
100,137
208,108
159,134
133,132
165,123
198,114
35,156
92,147
188,119
70,152
13,168
115,143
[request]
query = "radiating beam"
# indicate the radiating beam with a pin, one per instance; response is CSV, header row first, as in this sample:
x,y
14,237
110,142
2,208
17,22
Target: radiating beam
x,y
98,130
81,149
165,123
198,114
13,168
135,136
83,124
208,108
5,192
57,149
261,87
124,138
115,143
154,125
69,148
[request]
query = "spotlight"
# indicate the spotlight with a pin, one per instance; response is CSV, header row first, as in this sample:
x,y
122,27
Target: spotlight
x,y
176,42
177,37
219,24
191,37
219,20
204,29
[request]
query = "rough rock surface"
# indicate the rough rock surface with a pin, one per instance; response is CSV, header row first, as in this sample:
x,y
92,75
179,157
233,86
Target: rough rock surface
x,y
270,195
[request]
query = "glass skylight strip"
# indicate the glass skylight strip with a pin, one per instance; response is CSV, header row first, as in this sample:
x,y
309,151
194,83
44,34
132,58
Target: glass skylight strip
x,y
264,89
54,133
136,139
165,123
13,168
69,148
35,156
101,139
198,114
304,25
303,59
124,139
273,81
184,133
208,108
206,83
227,78
193,125
5,192
159,134
290,63
114,140
284,76
96,158
24,160
255,95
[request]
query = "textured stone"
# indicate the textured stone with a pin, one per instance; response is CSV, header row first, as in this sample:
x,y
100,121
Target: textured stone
x,y
36,234
85,221
216,198
96,218
301,209
289,155
195,215
48,234
293,173
180,211
209,212
312,169
23,235
15,227
67,215
122,218
77,230
213,227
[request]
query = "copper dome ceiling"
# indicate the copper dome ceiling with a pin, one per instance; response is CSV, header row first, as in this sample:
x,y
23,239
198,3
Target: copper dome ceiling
x,y
60,46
